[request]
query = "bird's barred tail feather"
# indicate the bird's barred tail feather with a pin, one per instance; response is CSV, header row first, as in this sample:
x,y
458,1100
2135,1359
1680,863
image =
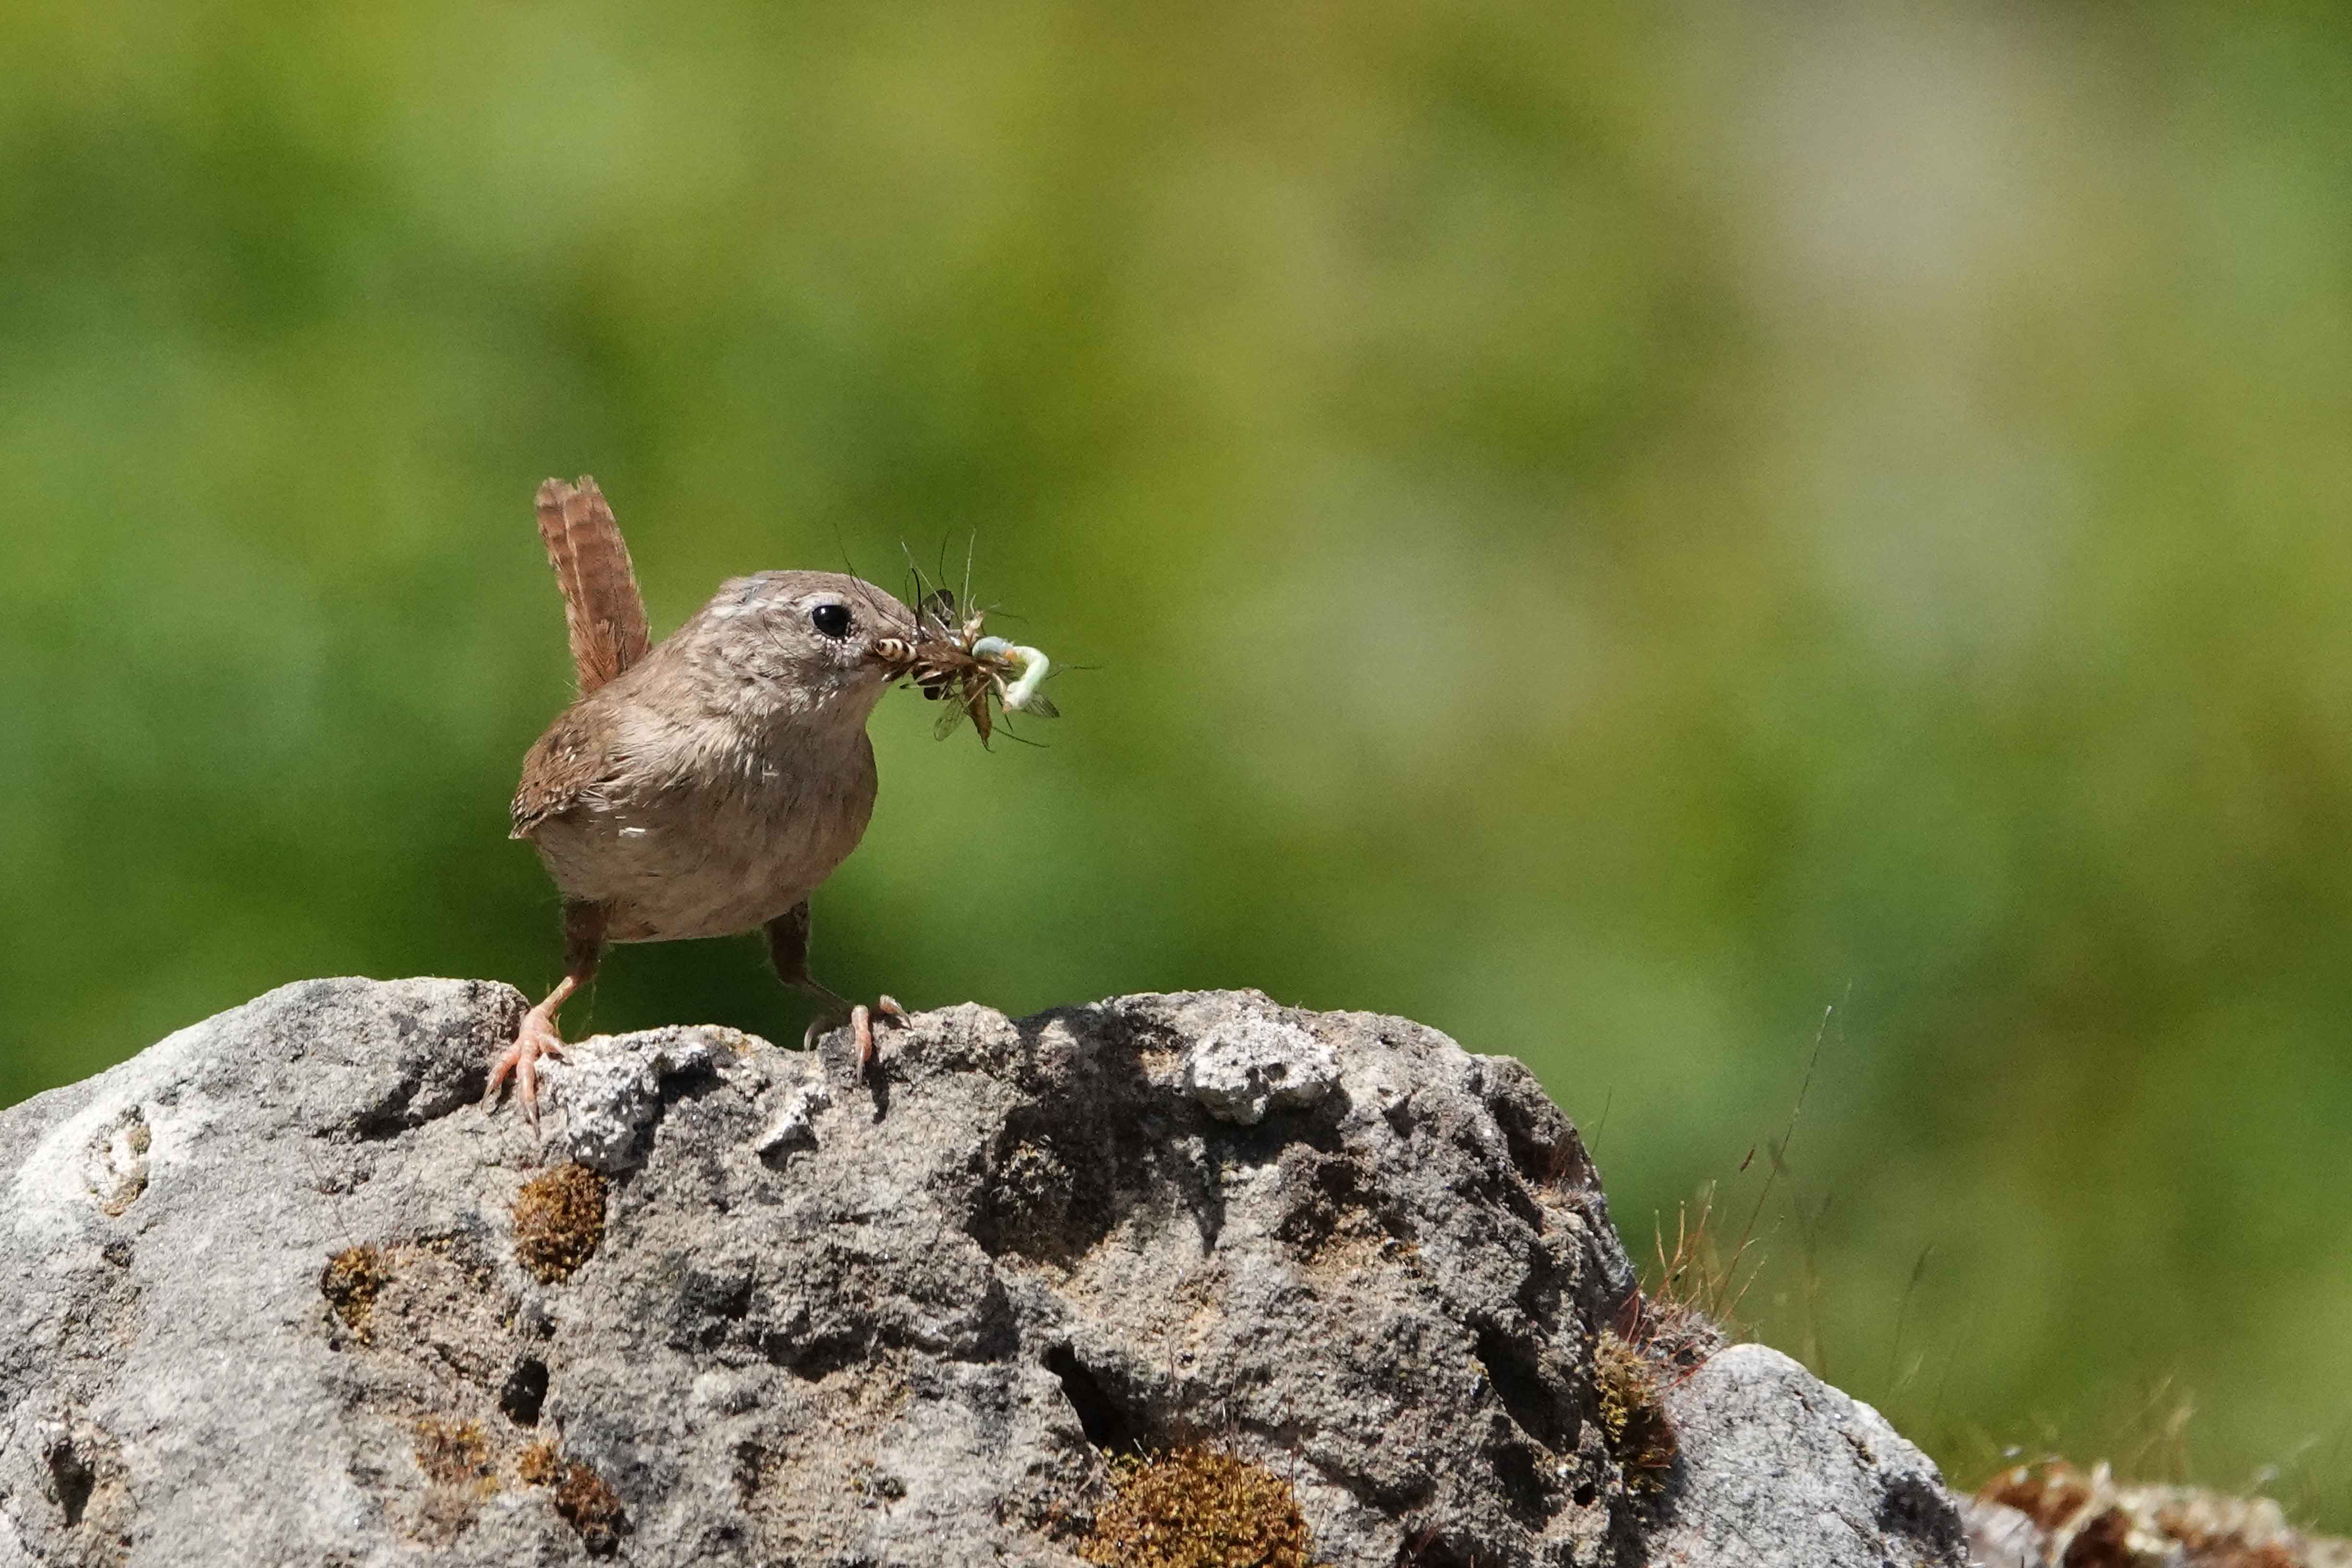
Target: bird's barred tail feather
x,y
603,608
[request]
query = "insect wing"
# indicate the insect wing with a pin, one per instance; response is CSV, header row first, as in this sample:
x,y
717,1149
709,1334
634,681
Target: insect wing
x,y
976,696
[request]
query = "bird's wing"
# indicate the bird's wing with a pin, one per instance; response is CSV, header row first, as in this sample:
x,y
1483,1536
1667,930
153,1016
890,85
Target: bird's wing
x,y
564,764
602,606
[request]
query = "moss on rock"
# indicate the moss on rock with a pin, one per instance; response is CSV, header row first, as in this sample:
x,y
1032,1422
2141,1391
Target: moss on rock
x,y
559,1221
1198,1508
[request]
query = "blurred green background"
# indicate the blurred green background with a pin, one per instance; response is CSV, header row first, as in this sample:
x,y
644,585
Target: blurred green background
x,y
1609,534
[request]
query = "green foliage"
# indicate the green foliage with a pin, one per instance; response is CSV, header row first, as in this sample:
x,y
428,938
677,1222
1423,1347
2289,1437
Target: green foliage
x,y
1602,532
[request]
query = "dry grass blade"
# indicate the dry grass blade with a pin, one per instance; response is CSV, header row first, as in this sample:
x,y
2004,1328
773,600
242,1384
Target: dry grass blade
x,y
1681,1315
1690,1303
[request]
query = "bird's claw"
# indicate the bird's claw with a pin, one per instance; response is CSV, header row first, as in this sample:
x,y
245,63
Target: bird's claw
x,y
861,1022
861,1029
535,1039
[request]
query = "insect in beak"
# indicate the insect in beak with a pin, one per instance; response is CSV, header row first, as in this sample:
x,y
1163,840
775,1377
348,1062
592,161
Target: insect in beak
x,y
951,662
1018,696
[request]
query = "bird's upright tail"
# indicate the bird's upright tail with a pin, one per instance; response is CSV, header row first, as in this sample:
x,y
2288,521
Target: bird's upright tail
x,y
603,608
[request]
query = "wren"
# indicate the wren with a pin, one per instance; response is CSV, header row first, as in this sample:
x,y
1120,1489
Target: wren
x,y
705,786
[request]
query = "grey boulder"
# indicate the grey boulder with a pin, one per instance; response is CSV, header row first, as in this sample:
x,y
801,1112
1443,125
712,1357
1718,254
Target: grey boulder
x,y
277,1290
1763,1439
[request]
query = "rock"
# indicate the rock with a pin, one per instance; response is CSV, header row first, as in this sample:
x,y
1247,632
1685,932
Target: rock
x,y
1770,1454
265,1296
2051,1513
611,1087
796,1122
2003,1537
1248,1063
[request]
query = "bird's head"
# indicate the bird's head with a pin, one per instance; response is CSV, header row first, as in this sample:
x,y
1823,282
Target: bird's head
x,y
799,644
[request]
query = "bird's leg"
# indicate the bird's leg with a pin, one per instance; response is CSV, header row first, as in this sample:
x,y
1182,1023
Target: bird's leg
x,y
788,942
584,945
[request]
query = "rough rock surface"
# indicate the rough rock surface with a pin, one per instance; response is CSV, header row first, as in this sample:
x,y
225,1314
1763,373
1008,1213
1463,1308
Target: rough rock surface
x,y
1763,1439
261,1301
2055,1515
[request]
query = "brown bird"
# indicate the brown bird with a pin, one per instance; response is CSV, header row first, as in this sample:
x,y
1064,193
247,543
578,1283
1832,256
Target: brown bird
x,y
706,786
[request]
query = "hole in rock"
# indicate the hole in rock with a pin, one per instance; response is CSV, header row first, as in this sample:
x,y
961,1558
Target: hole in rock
x,y
1106,1425
1522,1484
74,1479
525,1392
1518,1381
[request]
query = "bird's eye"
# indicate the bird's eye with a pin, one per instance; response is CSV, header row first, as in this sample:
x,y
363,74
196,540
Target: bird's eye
x,y
831,620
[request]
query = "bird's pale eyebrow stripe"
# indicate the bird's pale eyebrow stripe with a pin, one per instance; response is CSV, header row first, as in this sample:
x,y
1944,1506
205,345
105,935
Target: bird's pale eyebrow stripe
x,y
742,602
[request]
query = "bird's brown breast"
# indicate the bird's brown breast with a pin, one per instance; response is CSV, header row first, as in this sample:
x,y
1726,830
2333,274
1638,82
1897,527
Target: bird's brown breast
x,y
720,839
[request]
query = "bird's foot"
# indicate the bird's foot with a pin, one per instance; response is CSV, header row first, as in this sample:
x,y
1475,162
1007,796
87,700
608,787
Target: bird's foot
x,y
861,1029
536,1038
861,1024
